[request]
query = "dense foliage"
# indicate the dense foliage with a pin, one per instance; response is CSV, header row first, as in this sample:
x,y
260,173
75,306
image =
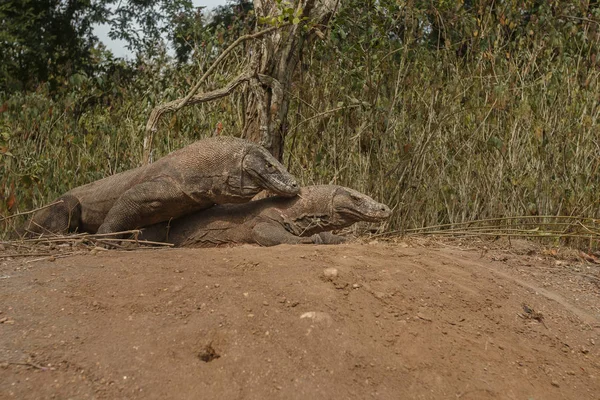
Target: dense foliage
x,y
448,111
48,40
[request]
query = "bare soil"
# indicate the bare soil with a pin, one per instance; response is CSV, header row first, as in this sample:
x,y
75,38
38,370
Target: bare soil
x,y
404,320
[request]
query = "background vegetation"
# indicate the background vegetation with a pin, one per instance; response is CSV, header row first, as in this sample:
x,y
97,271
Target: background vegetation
x,y
448,111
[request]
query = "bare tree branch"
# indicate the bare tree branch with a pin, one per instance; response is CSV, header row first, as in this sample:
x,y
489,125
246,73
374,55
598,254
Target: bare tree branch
x,y
191,98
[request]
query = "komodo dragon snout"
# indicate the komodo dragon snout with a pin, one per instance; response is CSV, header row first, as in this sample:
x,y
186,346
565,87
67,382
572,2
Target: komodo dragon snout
x,y
349,205
264,171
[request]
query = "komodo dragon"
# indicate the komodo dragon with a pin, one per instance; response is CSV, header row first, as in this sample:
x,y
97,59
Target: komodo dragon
x,y
210,171
307,218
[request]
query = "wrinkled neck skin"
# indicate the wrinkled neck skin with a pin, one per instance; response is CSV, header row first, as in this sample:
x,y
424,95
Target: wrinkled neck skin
x,y
313,212
241,185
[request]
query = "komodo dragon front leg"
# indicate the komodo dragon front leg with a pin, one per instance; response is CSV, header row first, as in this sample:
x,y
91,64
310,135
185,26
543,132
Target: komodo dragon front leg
x,y
330,238
148,203
266,234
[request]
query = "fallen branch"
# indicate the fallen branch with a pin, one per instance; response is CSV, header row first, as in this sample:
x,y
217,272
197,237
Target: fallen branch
x,y
26,364
478,221
31,211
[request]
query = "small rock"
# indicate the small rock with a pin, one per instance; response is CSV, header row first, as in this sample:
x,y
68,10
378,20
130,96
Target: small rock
x,y
97,250
217,285
424,317
570,372
355,285
330,273
584,350
319,317
555,384
208,353
265,303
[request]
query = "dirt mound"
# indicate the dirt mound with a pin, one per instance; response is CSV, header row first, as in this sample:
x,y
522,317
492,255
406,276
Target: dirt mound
x,y
352,321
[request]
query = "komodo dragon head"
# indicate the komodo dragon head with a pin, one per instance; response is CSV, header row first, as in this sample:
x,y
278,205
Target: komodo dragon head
x,y
323,208
260,170
349,206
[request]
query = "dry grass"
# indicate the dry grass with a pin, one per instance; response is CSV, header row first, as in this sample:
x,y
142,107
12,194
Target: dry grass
x,y
509,134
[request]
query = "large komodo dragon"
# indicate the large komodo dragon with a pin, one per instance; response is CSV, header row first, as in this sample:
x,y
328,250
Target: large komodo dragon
x,y
306,218
211,171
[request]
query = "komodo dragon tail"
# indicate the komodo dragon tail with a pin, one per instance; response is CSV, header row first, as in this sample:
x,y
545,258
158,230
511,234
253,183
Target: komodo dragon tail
x,y
60,217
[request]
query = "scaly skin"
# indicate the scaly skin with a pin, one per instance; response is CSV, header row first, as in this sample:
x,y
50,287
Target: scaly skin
x,y
307,218
210,171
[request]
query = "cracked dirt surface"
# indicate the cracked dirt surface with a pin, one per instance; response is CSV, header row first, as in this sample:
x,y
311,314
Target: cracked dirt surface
x,y
407,320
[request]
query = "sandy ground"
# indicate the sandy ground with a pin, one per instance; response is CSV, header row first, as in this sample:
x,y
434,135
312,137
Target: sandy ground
x,y
404,320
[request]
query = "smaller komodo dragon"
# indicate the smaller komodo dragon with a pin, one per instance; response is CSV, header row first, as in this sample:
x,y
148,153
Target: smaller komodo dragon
x,y
210,171
306,218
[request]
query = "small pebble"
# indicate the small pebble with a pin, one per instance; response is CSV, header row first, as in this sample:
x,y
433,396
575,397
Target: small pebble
x,y
356,286
555,384
330,273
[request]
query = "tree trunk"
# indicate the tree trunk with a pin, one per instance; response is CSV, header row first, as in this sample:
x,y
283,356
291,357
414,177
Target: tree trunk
x,y
275,58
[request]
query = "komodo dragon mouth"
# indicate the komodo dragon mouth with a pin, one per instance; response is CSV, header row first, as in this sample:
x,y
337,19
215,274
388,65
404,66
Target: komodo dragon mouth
x,y
269,173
